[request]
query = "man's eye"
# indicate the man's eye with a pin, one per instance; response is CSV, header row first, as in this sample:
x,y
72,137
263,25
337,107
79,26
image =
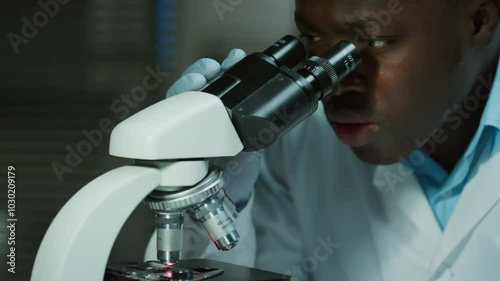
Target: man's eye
x,y
379,44
311,37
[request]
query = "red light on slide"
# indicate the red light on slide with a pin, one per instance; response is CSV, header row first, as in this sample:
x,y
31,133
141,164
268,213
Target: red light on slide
x,y
168,273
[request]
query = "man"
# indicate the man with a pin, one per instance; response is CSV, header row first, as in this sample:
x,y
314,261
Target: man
x,y
408,187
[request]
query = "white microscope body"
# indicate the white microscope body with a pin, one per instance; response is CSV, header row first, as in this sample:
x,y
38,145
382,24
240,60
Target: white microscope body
x,y
173,139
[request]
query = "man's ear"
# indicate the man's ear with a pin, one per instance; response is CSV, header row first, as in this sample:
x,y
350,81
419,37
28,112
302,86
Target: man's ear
x,y
483,21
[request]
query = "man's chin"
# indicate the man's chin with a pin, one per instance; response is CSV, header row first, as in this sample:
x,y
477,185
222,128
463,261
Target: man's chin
x,y
376,156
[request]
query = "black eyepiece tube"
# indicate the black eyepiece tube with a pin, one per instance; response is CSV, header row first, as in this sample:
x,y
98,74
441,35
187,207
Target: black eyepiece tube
x,y
288,51
269,93
325,72
344,57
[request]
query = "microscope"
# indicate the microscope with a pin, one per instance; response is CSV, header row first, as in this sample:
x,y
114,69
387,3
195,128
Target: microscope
x,y
172,143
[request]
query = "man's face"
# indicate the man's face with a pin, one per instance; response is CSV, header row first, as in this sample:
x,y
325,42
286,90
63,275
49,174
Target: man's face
x,y
416,65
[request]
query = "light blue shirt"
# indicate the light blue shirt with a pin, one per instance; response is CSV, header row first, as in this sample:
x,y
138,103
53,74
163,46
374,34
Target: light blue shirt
x,y
443,189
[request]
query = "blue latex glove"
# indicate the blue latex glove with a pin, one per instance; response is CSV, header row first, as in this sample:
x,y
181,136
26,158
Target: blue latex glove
x,y
240,171
195,77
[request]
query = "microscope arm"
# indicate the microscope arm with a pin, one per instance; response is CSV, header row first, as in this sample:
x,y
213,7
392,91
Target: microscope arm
x,y
78,242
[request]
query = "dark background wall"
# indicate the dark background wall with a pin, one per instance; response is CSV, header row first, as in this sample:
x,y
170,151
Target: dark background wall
x,y
65,79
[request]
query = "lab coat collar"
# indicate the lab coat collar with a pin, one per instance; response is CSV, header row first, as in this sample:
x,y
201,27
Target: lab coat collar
x,y
479,196
403,196
482,191
401,193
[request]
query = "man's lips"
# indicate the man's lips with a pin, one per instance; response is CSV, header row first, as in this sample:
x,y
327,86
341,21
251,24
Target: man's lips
x,y
352,129
355,134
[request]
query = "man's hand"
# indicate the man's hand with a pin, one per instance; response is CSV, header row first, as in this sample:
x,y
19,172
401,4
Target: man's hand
x,y
197,76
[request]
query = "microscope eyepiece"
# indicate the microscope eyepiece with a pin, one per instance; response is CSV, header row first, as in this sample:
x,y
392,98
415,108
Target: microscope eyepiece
x,y
344,57
258,88
325,72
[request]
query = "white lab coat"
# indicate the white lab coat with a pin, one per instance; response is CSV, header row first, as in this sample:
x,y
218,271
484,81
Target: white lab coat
x,y
318,209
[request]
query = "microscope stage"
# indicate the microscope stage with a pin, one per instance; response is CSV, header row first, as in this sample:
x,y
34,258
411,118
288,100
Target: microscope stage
x,y
203,270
